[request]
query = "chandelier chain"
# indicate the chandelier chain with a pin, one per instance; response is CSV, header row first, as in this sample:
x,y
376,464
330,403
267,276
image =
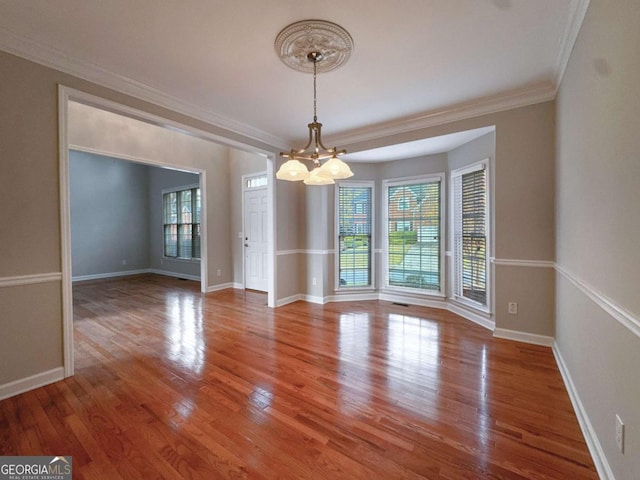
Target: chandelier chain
x,y
315,101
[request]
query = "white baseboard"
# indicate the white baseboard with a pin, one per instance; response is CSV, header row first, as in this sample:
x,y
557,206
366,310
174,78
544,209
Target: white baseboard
x,y
484,320
590,436
312,299
238,286
351,297
525,337
217,288
99,276
127,273
34,381
288,300
411,300
167,273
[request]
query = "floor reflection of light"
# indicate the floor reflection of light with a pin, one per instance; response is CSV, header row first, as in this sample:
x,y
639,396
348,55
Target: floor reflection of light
x,y
413,369
185,333
184,408
260,398
483,413
353,357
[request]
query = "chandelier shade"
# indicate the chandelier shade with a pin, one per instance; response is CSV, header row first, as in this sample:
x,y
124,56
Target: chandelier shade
x,y
316,178
314,46
292,170
335,169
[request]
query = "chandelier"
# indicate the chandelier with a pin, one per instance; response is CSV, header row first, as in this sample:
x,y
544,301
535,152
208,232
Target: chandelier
x,y
314,46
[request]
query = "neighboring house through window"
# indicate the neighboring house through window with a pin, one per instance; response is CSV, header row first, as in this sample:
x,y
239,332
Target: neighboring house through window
x,y
181,214
413,224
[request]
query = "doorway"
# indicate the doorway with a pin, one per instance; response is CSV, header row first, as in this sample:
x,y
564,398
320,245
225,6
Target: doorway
x,y
96,137
255,228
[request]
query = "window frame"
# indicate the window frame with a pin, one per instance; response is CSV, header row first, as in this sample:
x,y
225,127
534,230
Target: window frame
x,y
372,258
454,296
407,181
177,190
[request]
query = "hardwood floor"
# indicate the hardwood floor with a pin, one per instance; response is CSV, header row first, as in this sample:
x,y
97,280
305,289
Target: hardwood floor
x,y
171,383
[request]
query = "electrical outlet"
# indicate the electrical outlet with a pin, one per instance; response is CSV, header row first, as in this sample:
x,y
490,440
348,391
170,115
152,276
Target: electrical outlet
x,y
619,434
513,308
219,272
313,281
124,262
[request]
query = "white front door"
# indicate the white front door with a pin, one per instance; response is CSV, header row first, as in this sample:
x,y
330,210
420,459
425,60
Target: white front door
x,y
255,239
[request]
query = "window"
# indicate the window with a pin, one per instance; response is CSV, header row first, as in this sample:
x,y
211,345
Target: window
x,y
354,221
470,227
181,213
414,250
256,181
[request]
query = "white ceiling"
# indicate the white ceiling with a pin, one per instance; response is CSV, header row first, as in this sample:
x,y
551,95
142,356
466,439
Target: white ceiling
x,y
415,62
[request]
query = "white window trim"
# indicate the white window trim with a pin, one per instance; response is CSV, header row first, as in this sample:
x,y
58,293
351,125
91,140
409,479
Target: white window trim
x,y
372,265
181,188
467,302
431,178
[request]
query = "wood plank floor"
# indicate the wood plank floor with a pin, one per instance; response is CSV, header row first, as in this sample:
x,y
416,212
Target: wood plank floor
x,y
171,383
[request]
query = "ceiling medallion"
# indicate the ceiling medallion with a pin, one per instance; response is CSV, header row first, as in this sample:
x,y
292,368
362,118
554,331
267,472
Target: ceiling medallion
x,y
295,41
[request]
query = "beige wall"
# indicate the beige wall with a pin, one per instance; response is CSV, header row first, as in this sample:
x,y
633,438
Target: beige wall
x,y
30,231
25,350
598,227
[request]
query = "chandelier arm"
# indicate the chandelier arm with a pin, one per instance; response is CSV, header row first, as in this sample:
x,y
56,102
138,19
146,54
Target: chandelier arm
x,y
306,147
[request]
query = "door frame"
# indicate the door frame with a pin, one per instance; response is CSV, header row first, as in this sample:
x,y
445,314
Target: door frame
x,y
68,94
246,177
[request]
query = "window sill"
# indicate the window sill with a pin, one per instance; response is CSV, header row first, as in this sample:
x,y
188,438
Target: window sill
x,y
181,260
415,292
354,289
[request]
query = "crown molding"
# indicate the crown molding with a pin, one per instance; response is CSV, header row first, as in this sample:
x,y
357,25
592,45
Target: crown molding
x,y
578,11
483,106
54,58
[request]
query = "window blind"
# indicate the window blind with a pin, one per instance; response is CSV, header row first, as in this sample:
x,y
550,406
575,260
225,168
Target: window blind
x,y
181,213
354,235
470,235
413,226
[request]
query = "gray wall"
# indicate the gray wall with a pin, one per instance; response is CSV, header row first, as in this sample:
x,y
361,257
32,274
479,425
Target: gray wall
x,y
116,216
598,226
159,180
109,214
